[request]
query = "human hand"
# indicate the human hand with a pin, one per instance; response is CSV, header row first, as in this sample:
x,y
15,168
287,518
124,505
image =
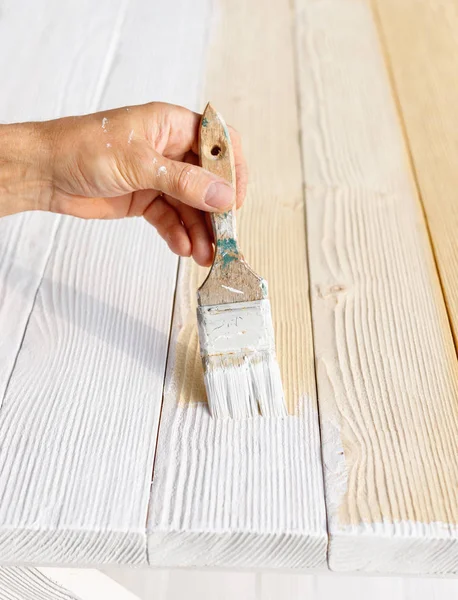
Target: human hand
x,y
135,161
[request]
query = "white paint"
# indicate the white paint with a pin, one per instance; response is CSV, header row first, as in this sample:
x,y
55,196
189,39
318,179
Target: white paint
x,y
154,160
79,445
237,345
236,327
131,135
226,492
104,124
59,584
108,145
379,547
162,170
231,289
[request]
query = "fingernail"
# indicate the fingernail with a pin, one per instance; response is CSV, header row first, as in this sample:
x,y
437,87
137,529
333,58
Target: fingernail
x,y
220,196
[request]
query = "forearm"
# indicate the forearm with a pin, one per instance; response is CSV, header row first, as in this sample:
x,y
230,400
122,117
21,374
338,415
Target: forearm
x,y
25,177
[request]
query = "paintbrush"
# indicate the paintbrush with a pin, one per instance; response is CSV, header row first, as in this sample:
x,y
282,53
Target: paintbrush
x,y
237,344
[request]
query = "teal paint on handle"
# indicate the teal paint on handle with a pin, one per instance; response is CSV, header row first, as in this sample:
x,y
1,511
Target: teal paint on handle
x,y
227,248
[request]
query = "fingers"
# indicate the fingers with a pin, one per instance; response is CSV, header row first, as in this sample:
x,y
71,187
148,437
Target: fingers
x,y
182,227
241,168
169,226
196,227
190,184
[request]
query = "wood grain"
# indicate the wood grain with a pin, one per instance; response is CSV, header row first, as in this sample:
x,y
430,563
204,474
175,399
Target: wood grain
x,y
25,243
386,366
26,240
424,64
247,494
45,583
79,419
232,281
29,584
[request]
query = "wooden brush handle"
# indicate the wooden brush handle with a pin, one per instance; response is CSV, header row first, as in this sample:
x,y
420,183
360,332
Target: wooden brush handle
x,y
216,156
230,278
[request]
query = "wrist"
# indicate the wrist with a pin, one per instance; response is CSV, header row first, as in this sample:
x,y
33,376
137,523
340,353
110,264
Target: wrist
x,y
25,168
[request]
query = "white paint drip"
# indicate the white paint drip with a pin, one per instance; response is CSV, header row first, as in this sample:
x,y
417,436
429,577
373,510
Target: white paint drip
x,y
154,161
104,124
108,145
131,135
231,289
162,171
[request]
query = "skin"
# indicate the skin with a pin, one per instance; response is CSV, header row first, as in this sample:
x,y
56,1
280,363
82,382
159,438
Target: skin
x,y
129,162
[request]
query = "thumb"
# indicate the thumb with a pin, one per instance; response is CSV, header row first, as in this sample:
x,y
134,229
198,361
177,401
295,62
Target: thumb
x,y
192,185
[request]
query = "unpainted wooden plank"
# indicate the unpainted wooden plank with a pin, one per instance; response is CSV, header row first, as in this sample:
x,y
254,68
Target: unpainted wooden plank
x,y
80,416
421,43
386,366
247,493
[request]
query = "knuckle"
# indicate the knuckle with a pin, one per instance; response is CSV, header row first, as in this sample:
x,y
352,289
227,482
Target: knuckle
x,y
182,180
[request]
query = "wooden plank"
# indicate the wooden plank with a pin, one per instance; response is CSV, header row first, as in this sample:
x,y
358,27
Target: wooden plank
x,y
25,244
49,76
29,584
46,583
386,366
421,46
247,493
80,416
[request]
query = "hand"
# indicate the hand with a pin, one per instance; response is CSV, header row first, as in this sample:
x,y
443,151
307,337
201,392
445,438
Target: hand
x,y
136,161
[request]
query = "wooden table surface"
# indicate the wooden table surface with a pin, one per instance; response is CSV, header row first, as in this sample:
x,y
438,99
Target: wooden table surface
x,y
108,454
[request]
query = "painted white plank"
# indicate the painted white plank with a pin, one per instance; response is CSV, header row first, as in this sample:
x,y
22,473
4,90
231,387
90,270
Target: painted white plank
x,y
59,53
245,494
387,371
80,415
29,584
81,411
18,583
25,243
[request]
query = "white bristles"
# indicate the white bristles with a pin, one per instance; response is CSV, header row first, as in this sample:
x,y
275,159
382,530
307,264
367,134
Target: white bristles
x,y
242,376
244,385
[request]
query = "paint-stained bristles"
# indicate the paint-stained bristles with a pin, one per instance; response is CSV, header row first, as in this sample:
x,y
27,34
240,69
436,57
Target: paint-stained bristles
x,y
244,385
242,376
